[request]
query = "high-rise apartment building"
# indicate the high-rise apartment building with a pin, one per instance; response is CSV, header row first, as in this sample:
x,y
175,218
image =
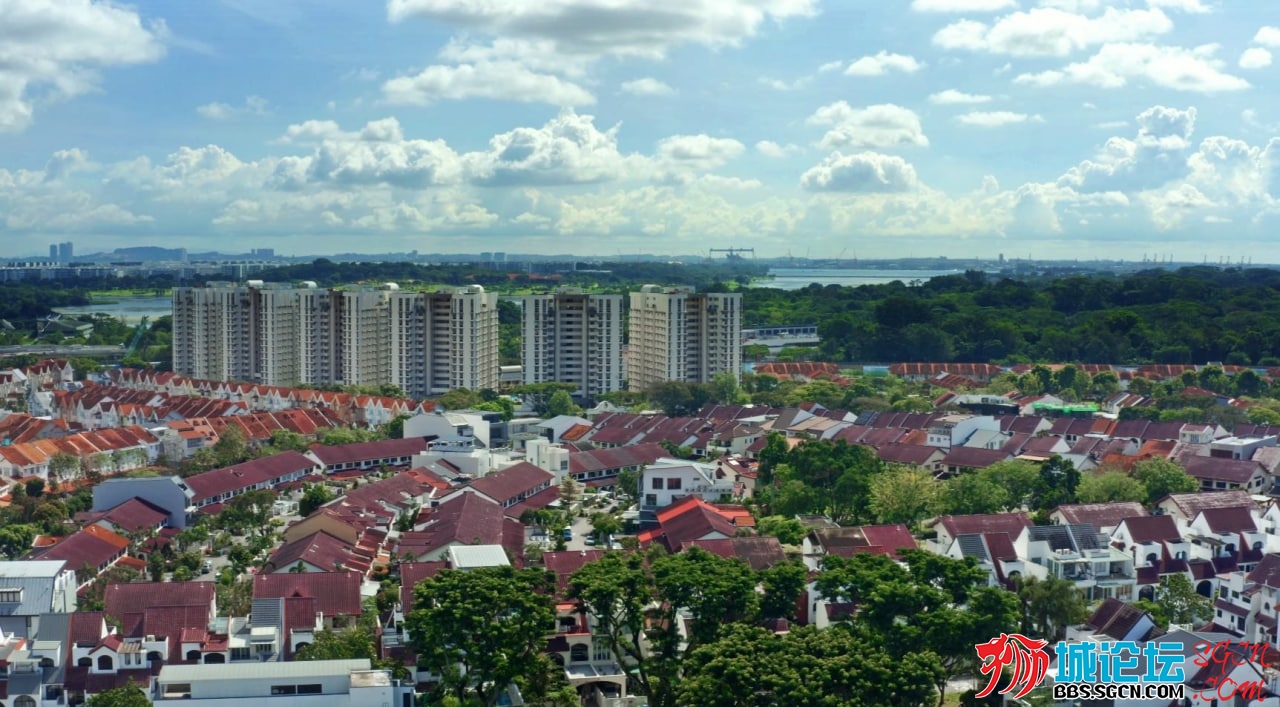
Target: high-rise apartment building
x,y
425,343
573,337
677,334
61,252
441,341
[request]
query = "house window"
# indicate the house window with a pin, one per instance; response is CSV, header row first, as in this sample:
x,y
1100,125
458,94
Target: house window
x,y
313,689
105,662
284,689
650,499
657,484
673,484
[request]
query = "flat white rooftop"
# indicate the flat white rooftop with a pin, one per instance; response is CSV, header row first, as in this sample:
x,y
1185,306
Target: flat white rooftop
x,y
32,568
254,671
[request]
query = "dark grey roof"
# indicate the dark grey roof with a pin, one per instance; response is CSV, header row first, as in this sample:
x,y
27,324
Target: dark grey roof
x,y
35,579
1067,537
972,546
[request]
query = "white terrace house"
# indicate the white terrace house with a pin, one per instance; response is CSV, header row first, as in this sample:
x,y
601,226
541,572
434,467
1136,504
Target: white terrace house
x,y
1246,604
1080,554
955,430
1227,532
668,480
582,650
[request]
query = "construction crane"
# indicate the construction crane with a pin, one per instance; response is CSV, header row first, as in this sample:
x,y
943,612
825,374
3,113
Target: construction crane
x,y
137,337
734,253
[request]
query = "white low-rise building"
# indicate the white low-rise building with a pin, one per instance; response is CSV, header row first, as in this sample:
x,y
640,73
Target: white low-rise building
x,y
668,480
318,683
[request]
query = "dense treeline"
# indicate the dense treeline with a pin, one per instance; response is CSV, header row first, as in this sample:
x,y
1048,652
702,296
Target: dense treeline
x,y
1191,315
603,275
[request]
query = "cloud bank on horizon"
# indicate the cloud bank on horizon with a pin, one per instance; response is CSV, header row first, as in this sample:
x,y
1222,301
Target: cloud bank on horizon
x,y
1059,128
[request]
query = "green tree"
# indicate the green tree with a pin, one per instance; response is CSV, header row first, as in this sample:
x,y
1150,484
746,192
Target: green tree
x,y
617,589
1049,606
352,642
1176,602
725,389
968,494
459,399
313,497
481,630
774,453
1161,477
1016,476
561,403
63,465
15,540
35,487
231,447
1059,480
605,525
788,531
1110,486
130,695
904,494
751,667
783,584
235,598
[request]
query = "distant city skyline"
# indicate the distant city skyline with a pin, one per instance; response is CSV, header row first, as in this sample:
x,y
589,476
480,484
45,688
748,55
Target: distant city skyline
x,y
1055,129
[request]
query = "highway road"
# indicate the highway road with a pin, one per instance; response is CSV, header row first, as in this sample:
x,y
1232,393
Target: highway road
x,y
78,351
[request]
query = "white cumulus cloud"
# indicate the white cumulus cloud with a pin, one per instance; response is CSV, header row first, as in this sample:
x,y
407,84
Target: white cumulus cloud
x,y
1048,31
769,148
962,5
55,48
883,63
865,172
1268,37
253,105
954,97
636,28
995,119
879,126
503,80
1196,70
1255,58
647,87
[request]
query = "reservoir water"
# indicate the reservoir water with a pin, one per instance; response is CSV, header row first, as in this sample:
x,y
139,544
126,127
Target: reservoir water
x,y
799,278
130,309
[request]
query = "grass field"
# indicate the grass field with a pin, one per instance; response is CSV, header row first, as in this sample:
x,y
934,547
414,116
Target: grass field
x,y
116,294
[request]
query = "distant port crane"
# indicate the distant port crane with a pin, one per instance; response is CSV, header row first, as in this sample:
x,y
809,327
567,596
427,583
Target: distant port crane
x,y
733,253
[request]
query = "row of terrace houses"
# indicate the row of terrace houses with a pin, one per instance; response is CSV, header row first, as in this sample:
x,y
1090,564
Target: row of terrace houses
x,y
105,451
1117,550
367,410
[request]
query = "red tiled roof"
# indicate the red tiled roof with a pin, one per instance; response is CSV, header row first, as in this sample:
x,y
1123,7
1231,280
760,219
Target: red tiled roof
x,y
758,552
1236,471
1011,523
512,482
137,597
1152,529
362,452
469,519
335,593
1229,520
973,457
564,564
91,547
616,458
411,573
1100,515
267,470
320,550
690,518
135,514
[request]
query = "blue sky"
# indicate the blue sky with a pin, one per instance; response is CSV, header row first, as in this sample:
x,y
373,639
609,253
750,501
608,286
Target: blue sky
x,y
1057,128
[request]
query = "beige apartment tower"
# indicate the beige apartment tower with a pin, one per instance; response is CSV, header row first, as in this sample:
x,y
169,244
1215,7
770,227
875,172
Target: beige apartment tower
x,y
573,337
425,343
677,334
